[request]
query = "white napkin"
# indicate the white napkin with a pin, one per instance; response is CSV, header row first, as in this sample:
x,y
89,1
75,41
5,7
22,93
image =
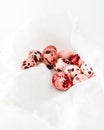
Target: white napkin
x,y
14,118
31,89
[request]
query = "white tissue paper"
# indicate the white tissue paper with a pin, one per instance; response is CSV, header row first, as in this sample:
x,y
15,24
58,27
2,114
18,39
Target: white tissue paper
x,y
79,108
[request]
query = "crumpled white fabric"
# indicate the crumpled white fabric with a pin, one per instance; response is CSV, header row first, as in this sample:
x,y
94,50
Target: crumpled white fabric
x,y
79,108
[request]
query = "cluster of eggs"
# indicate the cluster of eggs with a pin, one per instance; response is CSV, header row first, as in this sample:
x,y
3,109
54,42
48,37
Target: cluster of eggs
x,y
69,68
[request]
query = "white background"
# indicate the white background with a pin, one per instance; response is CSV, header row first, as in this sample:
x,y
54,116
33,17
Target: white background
x,y
15,13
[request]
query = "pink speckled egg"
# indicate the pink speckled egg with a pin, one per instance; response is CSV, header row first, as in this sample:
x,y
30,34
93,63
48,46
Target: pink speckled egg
x,y
79,78
28,63
50,56
61,64
72,70
65,54
36,56
87,70
61,81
